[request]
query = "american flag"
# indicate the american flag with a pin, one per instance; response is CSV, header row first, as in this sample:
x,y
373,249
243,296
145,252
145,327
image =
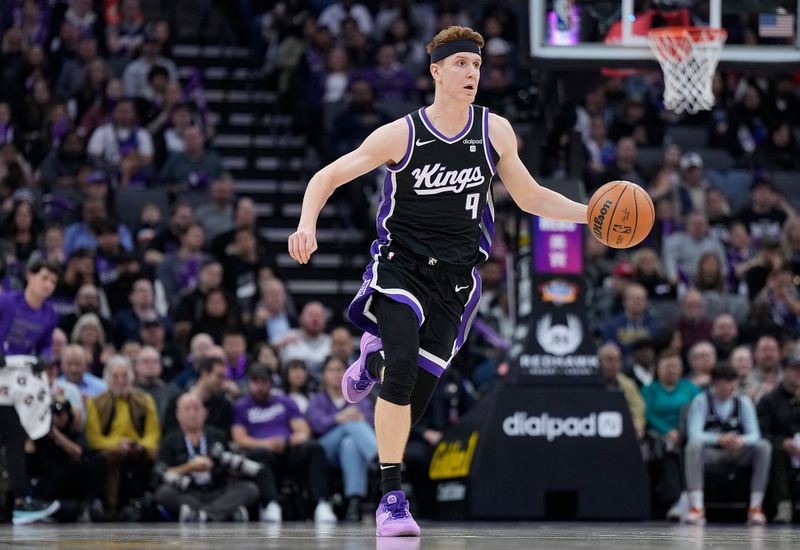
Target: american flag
x,y
776,25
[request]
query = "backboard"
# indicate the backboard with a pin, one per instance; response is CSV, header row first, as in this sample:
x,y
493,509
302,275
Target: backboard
x,y
762,34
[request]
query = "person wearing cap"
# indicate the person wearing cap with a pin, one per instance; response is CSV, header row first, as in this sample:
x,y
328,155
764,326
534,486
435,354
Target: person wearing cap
x,y
693,185
273,431
723,430
779,418
765,214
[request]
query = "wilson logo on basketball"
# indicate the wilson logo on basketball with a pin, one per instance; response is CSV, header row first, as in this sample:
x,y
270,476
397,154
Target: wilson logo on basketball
x,y
432,180
597,226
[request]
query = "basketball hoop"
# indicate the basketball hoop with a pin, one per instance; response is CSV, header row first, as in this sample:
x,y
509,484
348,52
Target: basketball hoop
x,y
688,57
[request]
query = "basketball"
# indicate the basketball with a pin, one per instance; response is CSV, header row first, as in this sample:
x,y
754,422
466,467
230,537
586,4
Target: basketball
x,y
621,214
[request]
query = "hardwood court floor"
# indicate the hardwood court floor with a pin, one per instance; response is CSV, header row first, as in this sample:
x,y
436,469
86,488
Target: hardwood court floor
x,y
445,536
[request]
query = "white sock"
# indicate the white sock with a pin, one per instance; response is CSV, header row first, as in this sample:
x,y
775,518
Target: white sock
x,y
696,499
756,499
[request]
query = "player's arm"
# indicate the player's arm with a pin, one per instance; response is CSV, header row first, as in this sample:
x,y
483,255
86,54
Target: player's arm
x,y
387,144
526,192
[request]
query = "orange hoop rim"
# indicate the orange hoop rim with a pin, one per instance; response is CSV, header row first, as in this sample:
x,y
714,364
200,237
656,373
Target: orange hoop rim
x,y
697,34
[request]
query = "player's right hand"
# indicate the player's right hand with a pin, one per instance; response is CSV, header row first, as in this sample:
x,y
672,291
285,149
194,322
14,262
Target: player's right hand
x,y
302,243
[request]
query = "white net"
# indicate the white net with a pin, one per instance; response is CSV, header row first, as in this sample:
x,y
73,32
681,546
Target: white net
x,y
688,57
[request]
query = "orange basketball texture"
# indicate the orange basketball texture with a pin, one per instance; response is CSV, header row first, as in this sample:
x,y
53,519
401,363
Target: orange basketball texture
x,y
620,214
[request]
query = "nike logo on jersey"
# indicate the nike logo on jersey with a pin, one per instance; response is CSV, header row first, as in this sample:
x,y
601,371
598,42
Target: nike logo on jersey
x,y
437,179
420,143
460,288
387,467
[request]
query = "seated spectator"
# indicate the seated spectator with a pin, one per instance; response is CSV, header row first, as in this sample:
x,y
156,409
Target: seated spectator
x,y
89,334
147,377
74,69
608,299
234,345
610,359
389,79
243,266
122,425
693,325
83,234
244,216
168,240
180,271
742,362
342,345
216,215
346,434
20,230
648,271
625,165
58,465
724,335
634,323
63,389
91,88
193,451
599,147
86,301
767,363
723,430
134,79
791,241
740,251
126,323
193,168
109,253
643,362
189,306
718,212
683,249
757,269
763,216
210,390
78,271
693,185
153,333
74,366
296,383
664,399
702,359
309,343
217,316
271,318
782,298
100,111
779,419
122,148
780,151
639,122
125,32
710,276
198,348
273,432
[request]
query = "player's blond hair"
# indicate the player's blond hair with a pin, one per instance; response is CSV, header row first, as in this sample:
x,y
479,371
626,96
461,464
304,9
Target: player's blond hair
x,y
451,34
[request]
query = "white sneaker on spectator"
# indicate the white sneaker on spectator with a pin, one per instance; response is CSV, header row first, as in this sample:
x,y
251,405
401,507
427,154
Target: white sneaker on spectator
x,y
696,516
187,514
272,513
784,513
240,514
323,513
679,509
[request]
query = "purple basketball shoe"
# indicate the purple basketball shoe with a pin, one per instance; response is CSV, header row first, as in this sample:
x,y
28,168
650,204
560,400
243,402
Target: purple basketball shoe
x,y
392,518
357,381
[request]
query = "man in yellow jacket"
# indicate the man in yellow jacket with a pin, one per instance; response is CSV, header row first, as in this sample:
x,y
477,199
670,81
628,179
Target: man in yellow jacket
x,y
122,425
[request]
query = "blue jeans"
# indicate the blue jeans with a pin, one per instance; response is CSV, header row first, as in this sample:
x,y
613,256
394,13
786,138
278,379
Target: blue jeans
x,y
351,446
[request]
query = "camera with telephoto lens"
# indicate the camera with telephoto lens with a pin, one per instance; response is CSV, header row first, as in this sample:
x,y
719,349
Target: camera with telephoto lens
x,y
236,462
180,482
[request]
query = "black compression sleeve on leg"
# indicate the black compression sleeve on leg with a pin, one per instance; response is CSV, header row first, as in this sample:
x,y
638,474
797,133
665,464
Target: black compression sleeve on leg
x,y
421,396
399,332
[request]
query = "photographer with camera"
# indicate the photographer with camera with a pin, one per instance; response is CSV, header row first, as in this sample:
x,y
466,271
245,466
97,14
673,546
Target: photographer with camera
x,y
27,322
196,470
58,464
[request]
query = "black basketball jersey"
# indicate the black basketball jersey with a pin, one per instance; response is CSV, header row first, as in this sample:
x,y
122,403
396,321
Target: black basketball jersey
x,y
716,424
437,200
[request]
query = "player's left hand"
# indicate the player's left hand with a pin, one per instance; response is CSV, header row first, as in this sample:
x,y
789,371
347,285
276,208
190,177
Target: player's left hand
x,y
302,244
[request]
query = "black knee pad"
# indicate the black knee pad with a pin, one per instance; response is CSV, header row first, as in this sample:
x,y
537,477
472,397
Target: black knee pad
x,y
398,382
421,396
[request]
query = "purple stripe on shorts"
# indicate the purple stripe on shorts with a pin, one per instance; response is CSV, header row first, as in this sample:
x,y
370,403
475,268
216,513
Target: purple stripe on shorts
x,y
487,146
430,366
469,311
441,136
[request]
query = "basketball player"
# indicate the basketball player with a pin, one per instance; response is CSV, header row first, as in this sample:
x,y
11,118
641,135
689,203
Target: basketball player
x,y
435,225
27,322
